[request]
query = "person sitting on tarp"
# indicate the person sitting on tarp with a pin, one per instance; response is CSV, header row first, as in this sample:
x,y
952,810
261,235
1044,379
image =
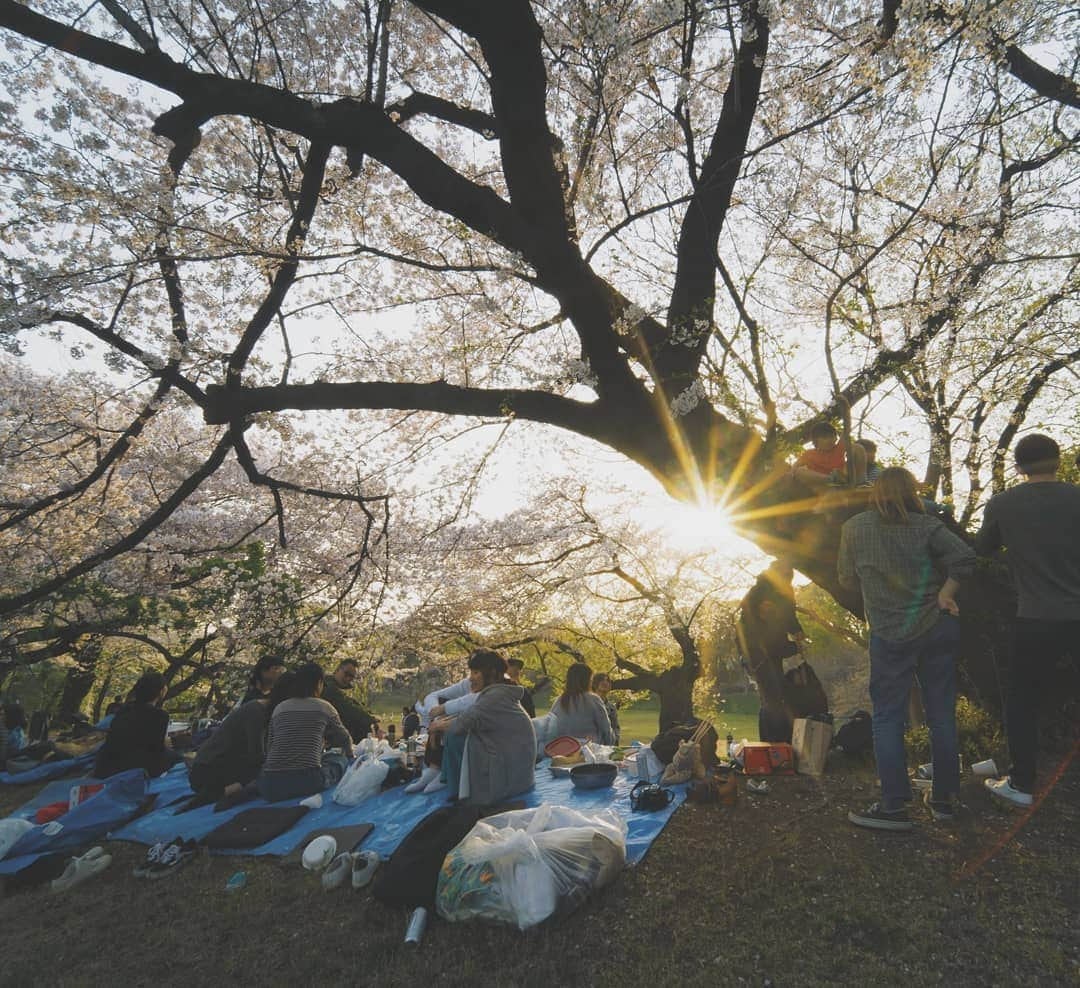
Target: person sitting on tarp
x,y
493,737
15,721
579,712
450,702
137,736
358,721
300,728
262,678
233,754
410,723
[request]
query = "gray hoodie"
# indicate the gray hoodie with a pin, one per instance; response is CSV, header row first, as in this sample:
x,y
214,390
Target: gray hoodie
x,y
501,744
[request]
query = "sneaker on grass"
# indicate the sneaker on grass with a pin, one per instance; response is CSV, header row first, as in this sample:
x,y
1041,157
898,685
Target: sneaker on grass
x,y
875,818
173,858
1003,789
943,810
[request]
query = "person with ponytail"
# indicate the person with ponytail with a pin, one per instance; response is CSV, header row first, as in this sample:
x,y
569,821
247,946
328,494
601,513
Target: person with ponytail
x,y
908,567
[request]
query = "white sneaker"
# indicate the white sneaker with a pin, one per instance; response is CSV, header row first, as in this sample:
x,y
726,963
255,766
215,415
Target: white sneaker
x,y
337,872
1003,789
364,864
429,774
80,869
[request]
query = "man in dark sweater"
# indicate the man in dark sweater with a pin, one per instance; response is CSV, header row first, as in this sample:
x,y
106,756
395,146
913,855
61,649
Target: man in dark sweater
x,y
1038,523
356,719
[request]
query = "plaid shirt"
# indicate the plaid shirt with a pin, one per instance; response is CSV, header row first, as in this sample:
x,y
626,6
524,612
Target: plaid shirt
x,y
899,568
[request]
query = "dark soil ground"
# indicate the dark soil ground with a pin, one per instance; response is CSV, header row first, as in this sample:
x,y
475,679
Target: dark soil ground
x,y
781,890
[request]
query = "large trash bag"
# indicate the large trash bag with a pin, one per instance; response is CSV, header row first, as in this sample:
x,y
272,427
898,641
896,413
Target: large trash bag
x,y
525,866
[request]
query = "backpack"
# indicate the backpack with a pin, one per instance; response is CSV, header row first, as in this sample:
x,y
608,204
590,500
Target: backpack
x,y
857,735
803,691
666,743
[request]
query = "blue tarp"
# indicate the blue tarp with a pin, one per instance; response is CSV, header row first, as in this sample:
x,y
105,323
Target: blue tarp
x,y
49,770
122,797
394,813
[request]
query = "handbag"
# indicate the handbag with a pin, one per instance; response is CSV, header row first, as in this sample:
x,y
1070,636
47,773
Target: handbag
x,y
648,797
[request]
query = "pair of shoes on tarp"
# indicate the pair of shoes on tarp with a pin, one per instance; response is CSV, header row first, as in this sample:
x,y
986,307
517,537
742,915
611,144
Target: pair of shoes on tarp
x,y
359,867
79,869
164,858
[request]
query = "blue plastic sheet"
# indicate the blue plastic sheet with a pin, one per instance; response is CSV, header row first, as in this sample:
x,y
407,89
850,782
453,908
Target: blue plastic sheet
x,y
122,797
49,770
394,813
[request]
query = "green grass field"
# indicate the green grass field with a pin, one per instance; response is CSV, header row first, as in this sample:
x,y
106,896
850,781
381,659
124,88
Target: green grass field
x,y
639,722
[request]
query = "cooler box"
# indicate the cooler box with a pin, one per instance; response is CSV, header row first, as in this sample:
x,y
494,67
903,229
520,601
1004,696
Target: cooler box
x,y
768,758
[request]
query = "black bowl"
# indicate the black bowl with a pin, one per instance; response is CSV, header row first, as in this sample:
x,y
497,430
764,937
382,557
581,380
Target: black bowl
x,y
594,776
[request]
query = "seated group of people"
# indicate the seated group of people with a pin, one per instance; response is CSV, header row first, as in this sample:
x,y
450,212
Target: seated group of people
x,y
482,733
273,742
292,733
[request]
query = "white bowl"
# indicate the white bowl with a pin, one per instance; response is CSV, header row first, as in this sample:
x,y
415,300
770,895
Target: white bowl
x,y
319,853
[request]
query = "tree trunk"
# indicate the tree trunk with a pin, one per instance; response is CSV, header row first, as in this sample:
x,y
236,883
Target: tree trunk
x,y
79,681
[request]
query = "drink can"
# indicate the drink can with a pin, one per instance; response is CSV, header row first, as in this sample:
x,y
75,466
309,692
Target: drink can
x,y
417,925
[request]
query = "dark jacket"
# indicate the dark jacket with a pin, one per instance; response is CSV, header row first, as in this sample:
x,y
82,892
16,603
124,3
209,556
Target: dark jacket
x,y
136,739
356,719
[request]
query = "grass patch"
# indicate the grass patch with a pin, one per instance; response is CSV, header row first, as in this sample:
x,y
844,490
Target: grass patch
x,y
779,890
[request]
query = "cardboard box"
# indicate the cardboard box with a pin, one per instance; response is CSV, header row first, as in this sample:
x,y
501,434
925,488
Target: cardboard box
x,y
810,740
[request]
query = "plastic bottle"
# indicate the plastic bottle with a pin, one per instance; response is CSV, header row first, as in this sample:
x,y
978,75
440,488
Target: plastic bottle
x,y
417,924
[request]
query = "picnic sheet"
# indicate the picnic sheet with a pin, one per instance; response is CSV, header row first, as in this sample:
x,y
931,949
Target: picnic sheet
x,y
394,813
122,797
50,770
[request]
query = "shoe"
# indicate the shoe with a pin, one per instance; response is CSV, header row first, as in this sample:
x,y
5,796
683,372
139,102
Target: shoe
x,y
943,810
364,864
434,786
337,872
94,852
80,869
173,858
1003,789
875,818
153,856
429,773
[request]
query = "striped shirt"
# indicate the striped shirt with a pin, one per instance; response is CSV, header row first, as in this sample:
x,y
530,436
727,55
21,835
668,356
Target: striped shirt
x,y
299,730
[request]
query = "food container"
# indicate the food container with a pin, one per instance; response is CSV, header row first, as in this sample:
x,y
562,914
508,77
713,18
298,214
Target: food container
x,y
594,775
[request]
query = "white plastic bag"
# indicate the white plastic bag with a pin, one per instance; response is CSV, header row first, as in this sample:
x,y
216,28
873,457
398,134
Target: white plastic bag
x,y
523,866
362,780
11,830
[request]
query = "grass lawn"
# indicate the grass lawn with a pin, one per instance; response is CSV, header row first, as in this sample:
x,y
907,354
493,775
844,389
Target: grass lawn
x,y
779,890
640,722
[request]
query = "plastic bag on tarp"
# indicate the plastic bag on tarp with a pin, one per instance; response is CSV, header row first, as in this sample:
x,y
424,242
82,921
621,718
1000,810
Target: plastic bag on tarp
x,y
362,780
524,866
594,752
11,830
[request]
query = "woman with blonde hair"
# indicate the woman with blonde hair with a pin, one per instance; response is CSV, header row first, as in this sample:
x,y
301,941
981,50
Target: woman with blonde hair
x,y
908,567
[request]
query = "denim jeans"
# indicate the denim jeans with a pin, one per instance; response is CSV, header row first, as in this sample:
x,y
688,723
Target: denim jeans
x,y
1037,646
453,755
894,666
296,783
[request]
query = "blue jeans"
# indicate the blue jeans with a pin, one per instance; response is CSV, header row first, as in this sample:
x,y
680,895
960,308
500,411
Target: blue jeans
x,y
297,783
453,755
894,666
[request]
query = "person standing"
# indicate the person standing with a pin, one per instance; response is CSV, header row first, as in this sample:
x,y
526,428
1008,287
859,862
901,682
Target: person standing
x,y
908,567
768,631
1038,524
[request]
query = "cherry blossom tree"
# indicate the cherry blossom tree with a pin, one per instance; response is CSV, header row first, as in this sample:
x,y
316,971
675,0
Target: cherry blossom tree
x,y
634,221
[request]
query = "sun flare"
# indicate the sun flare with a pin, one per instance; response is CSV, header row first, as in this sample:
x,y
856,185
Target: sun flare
x,y
697,527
